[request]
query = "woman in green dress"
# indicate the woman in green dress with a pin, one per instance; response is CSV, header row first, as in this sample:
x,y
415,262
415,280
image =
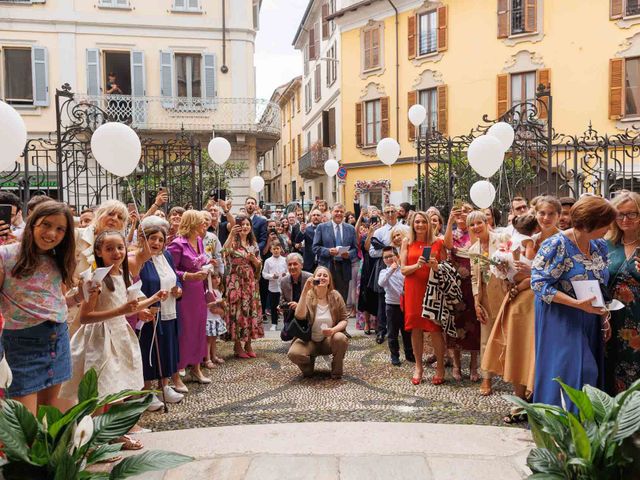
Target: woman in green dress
x,y
622,360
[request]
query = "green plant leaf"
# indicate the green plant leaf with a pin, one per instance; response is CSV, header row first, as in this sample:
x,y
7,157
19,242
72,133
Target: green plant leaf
x,y
601,402
73,415
118,420
66,468
103,452
38,452
148,462
84,475
628,419
18,428
580,399
116,397
546,476
52,413
580,438
543,461
62,448
88,388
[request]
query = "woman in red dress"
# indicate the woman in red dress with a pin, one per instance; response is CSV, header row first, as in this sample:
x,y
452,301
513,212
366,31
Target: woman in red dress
x,y
416,271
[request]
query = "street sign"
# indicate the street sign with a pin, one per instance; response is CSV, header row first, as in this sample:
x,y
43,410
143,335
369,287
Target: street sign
x,y
342,173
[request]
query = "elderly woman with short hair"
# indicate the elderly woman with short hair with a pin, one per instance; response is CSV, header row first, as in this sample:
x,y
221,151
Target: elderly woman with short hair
x,y
570,332
190,259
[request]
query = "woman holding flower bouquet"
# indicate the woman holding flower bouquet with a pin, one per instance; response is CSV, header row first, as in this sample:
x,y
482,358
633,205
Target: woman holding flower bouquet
x,y
510,351
488,289
191,264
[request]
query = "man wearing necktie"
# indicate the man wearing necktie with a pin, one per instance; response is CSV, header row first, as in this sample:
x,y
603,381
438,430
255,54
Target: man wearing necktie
x,y
306,234
328,237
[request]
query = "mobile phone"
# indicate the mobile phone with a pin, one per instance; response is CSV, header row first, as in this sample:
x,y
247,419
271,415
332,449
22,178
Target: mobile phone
x,y
457,203
636,253
375,219
426,253
5,213
223,194
316,281
214,194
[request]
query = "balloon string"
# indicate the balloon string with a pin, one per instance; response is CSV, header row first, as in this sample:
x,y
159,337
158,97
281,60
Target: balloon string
x,y
135,205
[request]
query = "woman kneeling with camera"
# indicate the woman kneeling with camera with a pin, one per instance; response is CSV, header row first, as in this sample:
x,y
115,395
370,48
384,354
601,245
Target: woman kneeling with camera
x,y
326,312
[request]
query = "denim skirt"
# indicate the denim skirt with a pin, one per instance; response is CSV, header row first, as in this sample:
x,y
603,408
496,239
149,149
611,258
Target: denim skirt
x,y
39,357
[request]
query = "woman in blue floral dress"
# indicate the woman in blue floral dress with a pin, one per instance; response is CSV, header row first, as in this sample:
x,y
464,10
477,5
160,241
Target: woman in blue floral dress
x,y
622,356
570,333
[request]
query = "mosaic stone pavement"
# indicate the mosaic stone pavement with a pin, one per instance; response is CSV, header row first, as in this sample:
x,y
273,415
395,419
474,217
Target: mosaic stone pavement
x,y
270,389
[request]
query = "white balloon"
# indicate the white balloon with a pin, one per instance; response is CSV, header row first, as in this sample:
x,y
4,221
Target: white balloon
x,y
116,147
504,133
388,151
257,183
417,114
219,150
485,155
331,167
483,193
13,136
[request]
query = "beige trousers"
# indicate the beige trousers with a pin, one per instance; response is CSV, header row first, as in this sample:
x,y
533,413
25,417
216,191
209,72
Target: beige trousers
x,y
304,354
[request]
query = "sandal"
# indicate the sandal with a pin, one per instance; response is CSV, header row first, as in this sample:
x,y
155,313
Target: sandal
x,y
474,377
129,443
209,364
218,360
456,374
515,416
435,380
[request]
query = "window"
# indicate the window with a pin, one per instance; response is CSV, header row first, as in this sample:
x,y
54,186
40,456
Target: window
x,y
306,61
114,3
429,100
373,122
188,75
319,132
632,7
332,65
314,44
186,6
516,17
293,106
371,49
523,88
632,87
293,150
299,145
317,87
25,80
309,141
307,97
427,33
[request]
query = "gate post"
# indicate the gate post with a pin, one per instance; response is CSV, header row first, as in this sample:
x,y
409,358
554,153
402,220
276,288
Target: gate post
x,y
545,91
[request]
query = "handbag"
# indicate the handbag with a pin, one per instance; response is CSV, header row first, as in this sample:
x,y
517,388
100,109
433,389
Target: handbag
x,y
296,329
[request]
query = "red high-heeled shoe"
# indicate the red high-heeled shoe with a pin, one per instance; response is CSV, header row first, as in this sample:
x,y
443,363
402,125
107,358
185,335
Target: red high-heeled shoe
x,y
435,380
416,380
242,355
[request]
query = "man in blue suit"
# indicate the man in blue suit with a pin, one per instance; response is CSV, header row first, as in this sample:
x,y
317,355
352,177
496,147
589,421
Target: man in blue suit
x,y
328,237
307,235
259,225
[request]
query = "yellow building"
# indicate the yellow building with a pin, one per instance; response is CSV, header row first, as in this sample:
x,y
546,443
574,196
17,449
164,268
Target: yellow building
x,y
291,139
463,59
179,66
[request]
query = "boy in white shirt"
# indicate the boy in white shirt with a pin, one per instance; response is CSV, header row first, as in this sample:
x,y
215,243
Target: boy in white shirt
x,y
392,281
275,267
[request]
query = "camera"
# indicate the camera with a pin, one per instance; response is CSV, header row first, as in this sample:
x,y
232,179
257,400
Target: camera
x,y
273,230
316,281
375,219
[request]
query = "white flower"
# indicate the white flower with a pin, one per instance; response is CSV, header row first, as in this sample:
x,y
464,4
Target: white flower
x,y
6,377
84,432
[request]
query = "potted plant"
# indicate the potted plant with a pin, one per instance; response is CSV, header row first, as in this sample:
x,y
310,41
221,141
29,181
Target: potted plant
x,y
56,445
601,443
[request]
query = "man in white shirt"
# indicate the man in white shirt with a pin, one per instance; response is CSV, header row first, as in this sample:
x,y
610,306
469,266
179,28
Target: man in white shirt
x,y
382,238
275,268
519,206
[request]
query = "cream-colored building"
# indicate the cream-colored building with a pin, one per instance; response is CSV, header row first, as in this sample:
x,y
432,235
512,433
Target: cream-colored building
x,y
179,65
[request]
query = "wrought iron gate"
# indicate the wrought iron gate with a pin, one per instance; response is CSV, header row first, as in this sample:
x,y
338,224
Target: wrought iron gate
x,y
540,161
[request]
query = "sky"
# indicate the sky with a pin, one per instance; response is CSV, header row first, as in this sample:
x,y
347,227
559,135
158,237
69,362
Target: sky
x,y
276,60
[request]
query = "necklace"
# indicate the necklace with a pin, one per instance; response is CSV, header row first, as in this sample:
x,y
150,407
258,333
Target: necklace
x,y
575,239
626,244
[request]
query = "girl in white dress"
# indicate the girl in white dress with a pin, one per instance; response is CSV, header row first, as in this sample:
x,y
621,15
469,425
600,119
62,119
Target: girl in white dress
x,y
105,340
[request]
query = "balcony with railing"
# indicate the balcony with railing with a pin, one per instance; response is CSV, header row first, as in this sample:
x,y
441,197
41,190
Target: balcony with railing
x,y
232,115
311,164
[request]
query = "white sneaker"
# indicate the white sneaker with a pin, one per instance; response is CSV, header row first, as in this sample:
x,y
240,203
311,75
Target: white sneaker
x,y
155,405
273,328
182,373
171,396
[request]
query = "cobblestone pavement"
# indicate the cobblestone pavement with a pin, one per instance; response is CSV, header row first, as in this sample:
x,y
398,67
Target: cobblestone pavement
x,y
270,389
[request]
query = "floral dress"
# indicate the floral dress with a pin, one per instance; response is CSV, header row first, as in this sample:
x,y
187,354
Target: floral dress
x,y
569,342
243,313
622,356
467,324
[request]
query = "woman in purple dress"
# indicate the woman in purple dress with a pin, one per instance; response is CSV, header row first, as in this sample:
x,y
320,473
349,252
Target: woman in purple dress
x,y
190,259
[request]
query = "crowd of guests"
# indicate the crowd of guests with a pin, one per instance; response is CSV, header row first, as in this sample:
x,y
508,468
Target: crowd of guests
x,y
144,298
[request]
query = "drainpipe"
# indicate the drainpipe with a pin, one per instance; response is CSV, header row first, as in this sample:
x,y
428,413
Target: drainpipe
x,y
397,74
224,68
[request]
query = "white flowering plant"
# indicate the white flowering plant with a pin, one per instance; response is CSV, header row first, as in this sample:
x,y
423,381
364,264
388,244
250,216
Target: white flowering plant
x,y
56,445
